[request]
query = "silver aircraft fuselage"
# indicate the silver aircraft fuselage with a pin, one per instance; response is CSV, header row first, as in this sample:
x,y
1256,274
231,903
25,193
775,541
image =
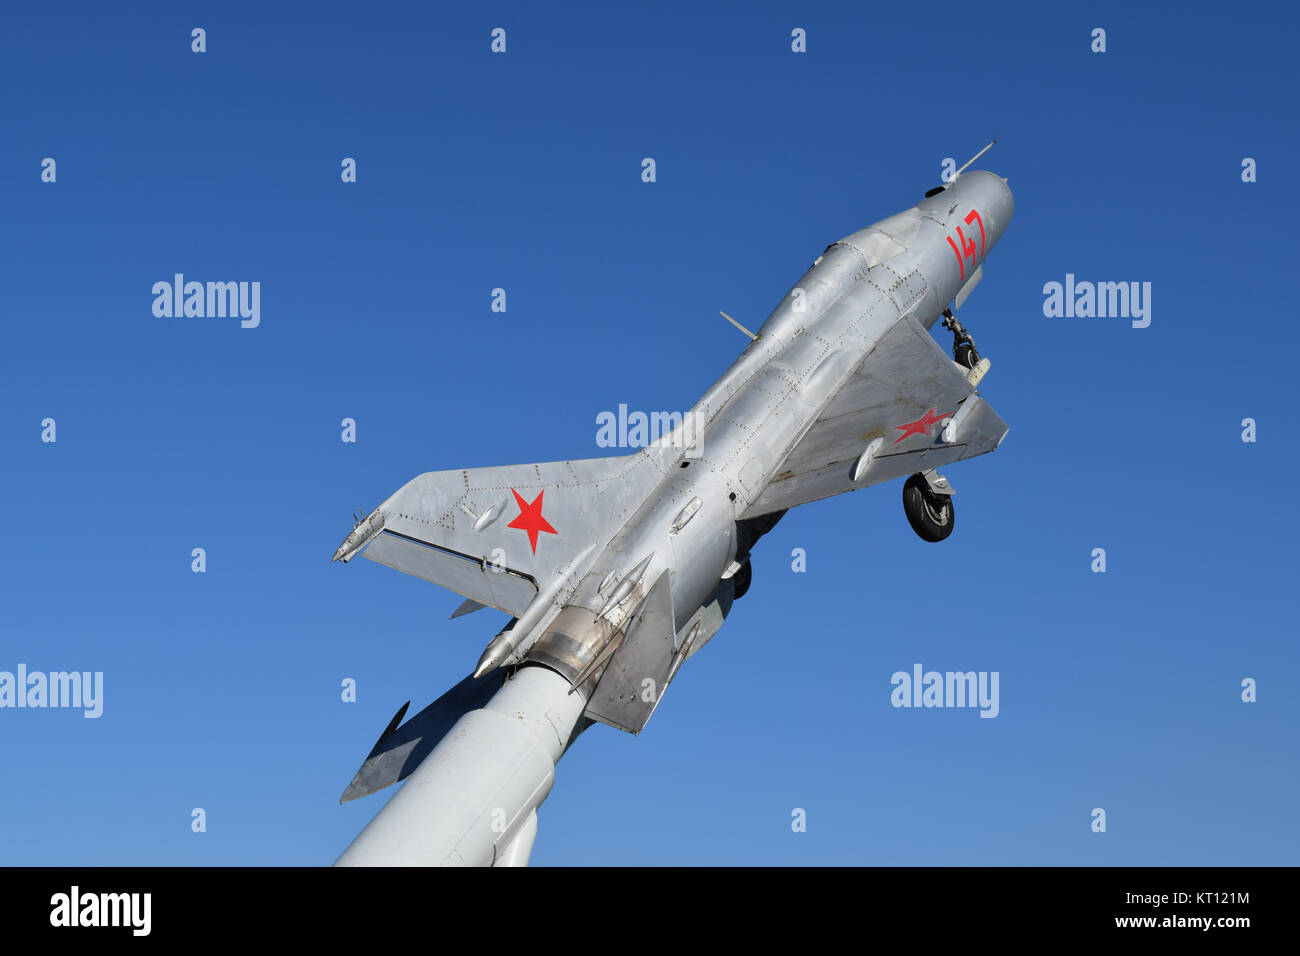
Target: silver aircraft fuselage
x,y
649,583
775,390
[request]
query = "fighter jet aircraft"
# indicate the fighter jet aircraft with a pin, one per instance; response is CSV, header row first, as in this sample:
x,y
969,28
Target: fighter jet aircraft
x,y
616,570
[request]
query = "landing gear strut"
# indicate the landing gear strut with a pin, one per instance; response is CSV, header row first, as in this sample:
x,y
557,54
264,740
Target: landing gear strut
x,y
963,345
928,511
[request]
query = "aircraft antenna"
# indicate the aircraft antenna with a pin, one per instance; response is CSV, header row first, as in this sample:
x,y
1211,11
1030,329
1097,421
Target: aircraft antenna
x,y
752,336
973,158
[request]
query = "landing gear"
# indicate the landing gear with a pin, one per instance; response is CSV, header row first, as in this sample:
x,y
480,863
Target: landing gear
x,y
741,580
929,512
963,345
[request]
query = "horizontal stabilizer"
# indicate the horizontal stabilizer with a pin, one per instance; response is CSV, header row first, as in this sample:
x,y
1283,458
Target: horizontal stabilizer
x,y
400,750
392,726
468,606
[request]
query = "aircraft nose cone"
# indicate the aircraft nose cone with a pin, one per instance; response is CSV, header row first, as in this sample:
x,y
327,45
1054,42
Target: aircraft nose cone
x,y
991,194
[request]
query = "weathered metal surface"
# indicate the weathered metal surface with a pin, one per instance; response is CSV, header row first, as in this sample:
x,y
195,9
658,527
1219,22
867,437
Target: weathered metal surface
x,y
841,388
636,676
502,589
904,378
578,499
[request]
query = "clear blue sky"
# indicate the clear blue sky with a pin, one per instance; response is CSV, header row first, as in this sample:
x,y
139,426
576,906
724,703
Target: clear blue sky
x,y
475,171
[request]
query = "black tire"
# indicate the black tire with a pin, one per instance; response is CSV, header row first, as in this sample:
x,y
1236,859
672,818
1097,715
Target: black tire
x,y
741,580
931,515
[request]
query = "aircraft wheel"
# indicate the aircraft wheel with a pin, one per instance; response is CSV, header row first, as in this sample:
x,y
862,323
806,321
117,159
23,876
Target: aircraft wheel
x,y
741,580
930,515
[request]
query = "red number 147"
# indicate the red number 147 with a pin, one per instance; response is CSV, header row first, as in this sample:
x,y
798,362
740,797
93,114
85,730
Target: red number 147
x,y
964,248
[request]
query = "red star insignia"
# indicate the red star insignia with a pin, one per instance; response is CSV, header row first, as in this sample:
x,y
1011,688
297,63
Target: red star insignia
x,y
922,425
530,518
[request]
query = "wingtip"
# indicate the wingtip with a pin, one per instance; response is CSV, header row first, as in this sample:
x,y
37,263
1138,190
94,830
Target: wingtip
x,y
351,792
